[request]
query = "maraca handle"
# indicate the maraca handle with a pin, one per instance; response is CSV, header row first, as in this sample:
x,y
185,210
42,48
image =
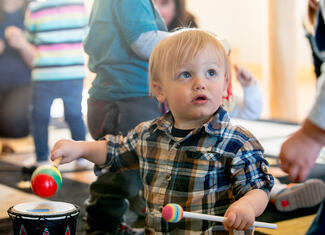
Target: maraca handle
x,y
56,162
221,219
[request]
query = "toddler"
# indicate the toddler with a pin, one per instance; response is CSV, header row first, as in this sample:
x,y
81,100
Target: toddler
x,y
192,155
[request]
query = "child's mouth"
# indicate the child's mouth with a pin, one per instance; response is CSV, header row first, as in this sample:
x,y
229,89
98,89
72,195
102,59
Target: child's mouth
x,y
200,99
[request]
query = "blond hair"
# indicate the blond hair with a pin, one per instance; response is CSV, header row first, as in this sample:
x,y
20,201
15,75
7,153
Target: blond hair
x,y
183,45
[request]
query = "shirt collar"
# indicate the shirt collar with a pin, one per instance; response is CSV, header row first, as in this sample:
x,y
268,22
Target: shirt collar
x,y
215,126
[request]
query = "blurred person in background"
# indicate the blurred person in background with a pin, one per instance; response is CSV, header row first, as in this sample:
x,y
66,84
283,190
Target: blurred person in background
x,y
55,30
121,37
15,78
175,14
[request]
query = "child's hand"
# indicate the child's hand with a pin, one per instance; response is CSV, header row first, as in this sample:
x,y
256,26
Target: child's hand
x,y
244,77
239,216
69,150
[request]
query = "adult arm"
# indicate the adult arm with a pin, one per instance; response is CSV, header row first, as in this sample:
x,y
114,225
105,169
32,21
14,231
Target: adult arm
x,y
145,43
300,151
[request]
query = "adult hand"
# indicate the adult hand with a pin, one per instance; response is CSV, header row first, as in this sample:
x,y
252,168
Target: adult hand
x,y
300,151
15,37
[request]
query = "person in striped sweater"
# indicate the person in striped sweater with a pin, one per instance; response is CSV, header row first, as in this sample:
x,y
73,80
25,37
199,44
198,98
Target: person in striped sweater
x,y
56,28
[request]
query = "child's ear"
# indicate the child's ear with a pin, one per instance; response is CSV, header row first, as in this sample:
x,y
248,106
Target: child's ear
x,y
157,90
225,88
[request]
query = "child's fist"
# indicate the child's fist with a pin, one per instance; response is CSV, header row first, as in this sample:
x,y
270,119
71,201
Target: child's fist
x,y
244,77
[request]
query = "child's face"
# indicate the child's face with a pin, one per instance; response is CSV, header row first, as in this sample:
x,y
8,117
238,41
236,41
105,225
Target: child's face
x,y
195,92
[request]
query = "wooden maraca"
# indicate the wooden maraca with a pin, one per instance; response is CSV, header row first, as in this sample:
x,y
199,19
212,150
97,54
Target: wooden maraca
x,y
46,180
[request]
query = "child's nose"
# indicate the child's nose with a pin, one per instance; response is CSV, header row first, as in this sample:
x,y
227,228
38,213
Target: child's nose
x,y
199,83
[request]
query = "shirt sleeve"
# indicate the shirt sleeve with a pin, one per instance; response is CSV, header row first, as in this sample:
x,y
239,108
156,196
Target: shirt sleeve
x,y
135,18
121,153
317,113
145,43
250,170
251,106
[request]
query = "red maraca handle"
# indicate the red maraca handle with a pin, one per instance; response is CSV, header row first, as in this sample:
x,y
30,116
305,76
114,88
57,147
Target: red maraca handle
x,y
56,162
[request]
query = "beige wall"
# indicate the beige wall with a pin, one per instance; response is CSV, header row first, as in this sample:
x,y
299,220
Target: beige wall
x,y
246,24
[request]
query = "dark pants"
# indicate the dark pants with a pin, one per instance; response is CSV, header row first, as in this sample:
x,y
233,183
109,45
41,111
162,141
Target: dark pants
x,y
14,105
70,91
108,202
318,225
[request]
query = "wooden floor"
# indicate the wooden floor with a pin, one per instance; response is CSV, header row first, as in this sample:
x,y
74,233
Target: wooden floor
x,y
24,152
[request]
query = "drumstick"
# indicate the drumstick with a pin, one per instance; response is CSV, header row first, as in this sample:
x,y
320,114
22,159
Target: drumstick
x,y
173,213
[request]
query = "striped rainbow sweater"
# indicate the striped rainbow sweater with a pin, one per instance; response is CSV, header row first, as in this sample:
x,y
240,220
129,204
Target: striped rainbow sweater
x,y
57,28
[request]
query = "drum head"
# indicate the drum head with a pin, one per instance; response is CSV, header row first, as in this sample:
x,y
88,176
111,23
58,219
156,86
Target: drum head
x,y
44,208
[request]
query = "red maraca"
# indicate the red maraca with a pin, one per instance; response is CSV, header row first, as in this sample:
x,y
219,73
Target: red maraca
x,y
46,180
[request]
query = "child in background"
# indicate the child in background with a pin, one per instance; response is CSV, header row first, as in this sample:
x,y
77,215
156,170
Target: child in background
x,y
251,105
56,30
192,155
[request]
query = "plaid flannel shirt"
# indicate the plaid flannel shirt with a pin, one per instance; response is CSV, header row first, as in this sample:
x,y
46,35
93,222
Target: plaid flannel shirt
x,y
205,172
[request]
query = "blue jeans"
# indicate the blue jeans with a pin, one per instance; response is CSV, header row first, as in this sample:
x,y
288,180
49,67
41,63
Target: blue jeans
x,y
109,194
43,94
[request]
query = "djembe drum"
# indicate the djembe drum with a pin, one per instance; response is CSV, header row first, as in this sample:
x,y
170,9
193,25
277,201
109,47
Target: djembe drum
x,y
44,218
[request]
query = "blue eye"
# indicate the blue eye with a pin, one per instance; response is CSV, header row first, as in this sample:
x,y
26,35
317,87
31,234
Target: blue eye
x,y
185,75
211,73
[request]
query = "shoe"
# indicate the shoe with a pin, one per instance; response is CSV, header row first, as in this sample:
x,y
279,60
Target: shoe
x,y
124,229
304,195
28,170
138,205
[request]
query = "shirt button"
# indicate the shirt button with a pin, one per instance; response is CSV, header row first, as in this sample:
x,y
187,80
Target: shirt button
x,y
168,177
264,168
